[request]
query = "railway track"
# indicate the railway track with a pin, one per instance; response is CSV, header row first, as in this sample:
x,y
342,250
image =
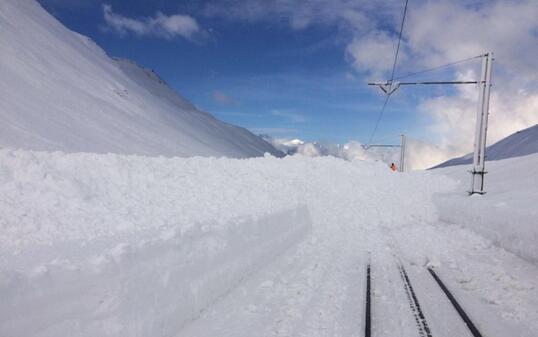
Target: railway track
x,y
423,327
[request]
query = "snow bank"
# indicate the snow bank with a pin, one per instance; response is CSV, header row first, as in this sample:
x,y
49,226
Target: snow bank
x,y
507,213
144,284
108,245
112,245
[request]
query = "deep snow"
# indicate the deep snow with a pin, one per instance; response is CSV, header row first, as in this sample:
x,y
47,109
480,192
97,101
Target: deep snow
x,y
116,245
60,91
507,213
113,245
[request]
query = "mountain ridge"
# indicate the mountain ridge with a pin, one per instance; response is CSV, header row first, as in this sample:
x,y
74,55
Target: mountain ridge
x,y
66,94
518,144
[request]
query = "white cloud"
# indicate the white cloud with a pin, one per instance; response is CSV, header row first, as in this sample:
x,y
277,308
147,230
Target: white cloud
x,y
436,32
374,52
160,25
506,28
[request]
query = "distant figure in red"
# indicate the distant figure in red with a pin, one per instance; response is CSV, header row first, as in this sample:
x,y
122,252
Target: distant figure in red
x,y
393,167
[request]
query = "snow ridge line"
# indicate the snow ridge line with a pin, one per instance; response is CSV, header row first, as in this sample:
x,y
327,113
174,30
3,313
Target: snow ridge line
x,y
455,303
368,318
422,324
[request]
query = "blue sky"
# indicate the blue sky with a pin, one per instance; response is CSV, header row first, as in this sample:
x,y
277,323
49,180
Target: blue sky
x,y
261,74
293,68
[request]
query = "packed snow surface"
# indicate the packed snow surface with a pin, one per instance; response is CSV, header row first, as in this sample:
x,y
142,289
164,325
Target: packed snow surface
x,y
115,245
60,91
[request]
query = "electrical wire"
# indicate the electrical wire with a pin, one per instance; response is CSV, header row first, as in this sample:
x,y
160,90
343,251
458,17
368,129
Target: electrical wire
x,y
379,119
392,74
438,67
399,42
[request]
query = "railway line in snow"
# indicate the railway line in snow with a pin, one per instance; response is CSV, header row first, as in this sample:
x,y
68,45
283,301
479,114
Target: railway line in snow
x,y
423,328
257,271
312,290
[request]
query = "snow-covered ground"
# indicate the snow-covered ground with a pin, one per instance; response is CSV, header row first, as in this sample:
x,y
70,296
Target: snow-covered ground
x,y
60,91
113,245
507,214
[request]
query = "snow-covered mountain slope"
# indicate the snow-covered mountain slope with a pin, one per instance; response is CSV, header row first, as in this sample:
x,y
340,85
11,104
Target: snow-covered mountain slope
x,y
60,91
519,144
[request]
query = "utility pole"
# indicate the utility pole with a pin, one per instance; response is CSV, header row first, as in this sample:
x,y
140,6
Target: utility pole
x,y
479,158
484,86
401,146
402,153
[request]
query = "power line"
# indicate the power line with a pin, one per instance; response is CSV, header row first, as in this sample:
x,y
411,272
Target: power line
x,y
438,67
399,42
378,119
392,75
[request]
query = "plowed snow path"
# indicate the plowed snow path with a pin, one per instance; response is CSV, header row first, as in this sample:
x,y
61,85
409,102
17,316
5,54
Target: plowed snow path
x,y
318,288
109,245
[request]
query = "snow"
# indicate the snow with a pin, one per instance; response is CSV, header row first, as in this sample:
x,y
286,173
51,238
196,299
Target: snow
x,y
142,242
60,91
116,245
507,213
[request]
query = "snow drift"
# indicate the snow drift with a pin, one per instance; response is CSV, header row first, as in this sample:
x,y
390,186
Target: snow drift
x,y
507,213
60,91
114,245
108,245
148,283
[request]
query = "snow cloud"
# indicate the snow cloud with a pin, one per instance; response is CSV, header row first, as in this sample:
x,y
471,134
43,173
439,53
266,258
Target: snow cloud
x,y
160,25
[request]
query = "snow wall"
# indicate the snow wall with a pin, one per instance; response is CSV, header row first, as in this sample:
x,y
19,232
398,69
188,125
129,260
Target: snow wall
x,y
174,275
107,245
507,214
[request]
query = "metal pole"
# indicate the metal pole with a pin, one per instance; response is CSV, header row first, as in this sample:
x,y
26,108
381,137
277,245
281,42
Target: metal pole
x,y
402,154
479,157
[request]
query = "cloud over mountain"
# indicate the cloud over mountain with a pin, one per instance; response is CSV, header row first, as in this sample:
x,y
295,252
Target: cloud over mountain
x,y
159,25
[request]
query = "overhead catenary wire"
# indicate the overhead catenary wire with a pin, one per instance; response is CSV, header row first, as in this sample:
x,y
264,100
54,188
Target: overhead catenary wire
x,y
392,73
438,67
379,117
378,121
399,42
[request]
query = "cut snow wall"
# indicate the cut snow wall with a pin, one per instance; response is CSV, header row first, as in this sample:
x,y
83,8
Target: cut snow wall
x,y
507,213
511,229
150,285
